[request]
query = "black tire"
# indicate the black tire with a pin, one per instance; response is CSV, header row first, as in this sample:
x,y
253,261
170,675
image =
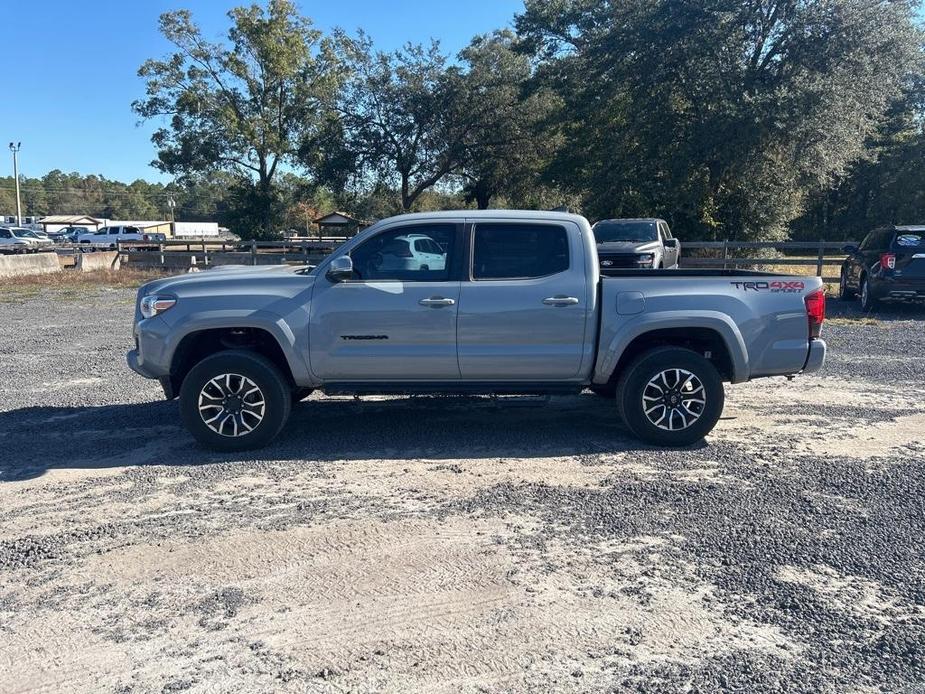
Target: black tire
x,y
273,387
845,293
868,302
608,390
633,385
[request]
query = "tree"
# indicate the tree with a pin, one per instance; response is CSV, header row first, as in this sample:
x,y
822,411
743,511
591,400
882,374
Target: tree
x,y
721,116
885,186
508,147
401,122
241,107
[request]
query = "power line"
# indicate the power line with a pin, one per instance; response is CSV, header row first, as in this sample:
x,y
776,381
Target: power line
x,y
80,191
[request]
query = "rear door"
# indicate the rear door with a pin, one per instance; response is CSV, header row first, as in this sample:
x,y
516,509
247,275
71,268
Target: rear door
x,y
524,309
395,321
863,259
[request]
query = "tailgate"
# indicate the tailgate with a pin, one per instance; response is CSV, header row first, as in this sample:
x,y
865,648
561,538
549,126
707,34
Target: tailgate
x,y
910,255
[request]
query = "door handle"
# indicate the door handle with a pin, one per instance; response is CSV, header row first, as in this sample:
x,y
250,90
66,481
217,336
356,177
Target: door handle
x,y
560,301
437,302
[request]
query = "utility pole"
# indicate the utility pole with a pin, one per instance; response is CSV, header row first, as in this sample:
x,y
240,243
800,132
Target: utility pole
x,y
14,148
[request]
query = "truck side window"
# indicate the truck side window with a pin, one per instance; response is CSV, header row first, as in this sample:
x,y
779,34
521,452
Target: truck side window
x,y
398,254
519,251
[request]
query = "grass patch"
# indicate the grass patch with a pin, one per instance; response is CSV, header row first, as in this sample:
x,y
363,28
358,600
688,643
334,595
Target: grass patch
x,y
72,280
855,321
71,285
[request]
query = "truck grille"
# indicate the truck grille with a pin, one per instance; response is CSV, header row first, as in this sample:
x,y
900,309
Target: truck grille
x,y
614,261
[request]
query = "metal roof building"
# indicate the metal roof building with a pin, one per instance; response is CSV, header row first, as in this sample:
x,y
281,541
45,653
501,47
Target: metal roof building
x,y
60,221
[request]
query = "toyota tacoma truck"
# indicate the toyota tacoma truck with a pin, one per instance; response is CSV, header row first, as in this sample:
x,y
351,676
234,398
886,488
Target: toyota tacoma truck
x,y
470,302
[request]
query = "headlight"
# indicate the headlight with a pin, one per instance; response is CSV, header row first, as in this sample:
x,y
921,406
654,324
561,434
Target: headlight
x,y
155,305
645,258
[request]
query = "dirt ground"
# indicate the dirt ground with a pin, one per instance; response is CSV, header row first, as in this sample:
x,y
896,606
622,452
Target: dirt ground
x,y
458,544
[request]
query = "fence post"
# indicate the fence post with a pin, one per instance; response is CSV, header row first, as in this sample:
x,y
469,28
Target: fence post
x,y
253,252
725,252
819,258
160,247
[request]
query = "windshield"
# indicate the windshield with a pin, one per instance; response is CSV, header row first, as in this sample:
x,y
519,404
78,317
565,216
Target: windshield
x,y
608,231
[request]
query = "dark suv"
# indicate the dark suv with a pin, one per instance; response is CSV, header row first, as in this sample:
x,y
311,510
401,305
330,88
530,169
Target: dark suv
x,y
889,265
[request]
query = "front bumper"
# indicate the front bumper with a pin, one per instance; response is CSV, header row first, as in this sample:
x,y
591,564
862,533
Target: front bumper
x,y
816,357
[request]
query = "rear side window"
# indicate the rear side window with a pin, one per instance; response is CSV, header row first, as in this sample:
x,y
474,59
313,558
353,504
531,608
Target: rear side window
x,y
519,251
909,240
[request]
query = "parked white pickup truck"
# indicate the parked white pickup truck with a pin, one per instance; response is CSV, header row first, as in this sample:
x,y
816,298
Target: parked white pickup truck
x,y
109,237
493,302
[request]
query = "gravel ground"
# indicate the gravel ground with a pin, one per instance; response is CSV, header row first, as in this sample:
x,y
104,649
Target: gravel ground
x,y
454,544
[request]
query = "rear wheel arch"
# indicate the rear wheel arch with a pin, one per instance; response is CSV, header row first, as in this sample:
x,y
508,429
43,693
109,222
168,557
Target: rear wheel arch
x,y
708,342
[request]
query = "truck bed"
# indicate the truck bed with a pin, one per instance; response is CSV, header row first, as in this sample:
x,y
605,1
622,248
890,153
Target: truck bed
x,y
761,316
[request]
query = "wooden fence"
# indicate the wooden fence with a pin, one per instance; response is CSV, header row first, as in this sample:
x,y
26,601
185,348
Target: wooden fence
x,y
176,253
726,254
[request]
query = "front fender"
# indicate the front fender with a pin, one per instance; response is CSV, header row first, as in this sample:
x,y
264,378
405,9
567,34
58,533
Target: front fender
x,y
614,345
262,319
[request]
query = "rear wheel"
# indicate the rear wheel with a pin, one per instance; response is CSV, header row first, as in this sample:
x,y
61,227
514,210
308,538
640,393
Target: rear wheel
x,y
868,302
235,400
670,396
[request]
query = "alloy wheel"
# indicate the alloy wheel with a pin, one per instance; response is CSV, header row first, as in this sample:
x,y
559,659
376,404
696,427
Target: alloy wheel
x,y
674,399
231,405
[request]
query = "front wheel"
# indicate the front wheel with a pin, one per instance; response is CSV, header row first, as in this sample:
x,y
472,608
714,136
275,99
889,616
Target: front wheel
x,y
235,400
845,293
670,396
868,302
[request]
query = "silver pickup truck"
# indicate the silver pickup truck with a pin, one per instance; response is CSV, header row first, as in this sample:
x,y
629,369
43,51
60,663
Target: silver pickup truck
x,y
469,302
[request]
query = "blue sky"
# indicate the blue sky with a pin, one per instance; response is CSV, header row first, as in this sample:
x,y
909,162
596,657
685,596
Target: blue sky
x,y
70,78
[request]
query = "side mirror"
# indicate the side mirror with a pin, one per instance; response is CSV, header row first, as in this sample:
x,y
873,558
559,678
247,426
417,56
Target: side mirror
x,y
850,249
671,243
340,269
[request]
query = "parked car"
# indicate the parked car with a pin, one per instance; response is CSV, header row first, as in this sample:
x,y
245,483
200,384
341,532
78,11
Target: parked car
x,y
411,253
889,265
68,234
519,307
108,237
12,242
40,238
35,243
635,243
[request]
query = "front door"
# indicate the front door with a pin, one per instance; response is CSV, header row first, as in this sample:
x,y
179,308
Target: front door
x,y
524,312
396,319
670,258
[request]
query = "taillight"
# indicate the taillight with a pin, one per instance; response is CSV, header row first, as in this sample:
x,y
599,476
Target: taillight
x,y
815,312
888,261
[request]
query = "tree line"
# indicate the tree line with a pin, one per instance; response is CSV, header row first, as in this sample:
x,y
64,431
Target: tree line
x,y
740,119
